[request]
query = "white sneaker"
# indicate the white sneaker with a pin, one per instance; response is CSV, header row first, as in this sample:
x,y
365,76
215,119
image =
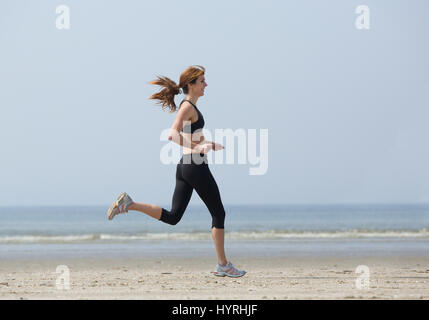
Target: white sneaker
x,y
120,205
228,270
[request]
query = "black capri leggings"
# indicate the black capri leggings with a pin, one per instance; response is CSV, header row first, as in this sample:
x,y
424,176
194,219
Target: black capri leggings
x,y
193,172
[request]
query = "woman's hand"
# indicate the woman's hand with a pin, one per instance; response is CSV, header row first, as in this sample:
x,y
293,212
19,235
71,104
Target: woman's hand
x,y
207,146
217,146
204,147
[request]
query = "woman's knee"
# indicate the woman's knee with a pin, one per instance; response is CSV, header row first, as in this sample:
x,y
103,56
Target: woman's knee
x,y
171,217
175,219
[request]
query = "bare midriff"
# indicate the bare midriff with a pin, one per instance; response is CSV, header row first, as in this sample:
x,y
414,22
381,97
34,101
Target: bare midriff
x,y
197,137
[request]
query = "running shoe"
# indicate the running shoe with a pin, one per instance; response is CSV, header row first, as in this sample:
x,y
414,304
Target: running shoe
x,y
119,206
228,270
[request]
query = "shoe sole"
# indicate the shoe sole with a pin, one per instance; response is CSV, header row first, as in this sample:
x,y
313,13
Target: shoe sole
x,y
114,204
223,274
109,212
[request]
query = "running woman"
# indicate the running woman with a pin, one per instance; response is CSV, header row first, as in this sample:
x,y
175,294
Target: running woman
x,y
192,171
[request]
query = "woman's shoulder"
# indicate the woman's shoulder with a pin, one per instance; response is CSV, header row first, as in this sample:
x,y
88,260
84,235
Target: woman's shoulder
x,y
188,109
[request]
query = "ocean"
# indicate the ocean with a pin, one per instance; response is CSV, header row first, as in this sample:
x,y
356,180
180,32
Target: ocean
x,y
261,230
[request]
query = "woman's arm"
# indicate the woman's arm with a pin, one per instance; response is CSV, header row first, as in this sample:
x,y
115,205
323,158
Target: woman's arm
x,y
180,139
183,115
215,146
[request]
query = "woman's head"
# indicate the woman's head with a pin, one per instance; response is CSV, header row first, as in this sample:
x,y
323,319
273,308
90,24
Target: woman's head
x,y
192,82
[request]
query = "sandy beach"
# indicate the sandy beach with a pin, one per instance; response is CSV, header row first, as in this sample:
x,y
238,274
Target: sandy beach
x,y
190,278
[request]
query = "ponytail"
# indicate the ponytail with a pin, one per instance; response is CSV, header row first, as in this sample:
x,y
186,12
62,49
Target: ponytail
x,y
166,95
170,88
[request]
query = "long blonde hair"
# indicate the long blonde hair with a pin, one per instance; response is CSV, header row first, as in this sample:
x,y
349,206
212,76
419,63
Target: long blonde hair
x,y
170,88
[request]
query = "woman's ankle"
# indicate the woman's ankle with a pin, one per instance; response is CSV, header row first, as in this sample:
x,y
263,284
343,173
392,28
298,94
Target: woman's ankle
x,y
223,263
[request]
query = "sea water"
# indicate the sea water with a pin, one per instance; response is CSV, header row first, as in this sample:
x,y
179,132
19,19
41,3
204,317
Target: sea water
x,y
250,230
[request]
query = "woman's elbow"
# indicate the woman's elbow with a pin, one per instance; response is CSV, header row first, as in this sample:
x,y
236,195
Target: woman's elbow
x,y
173,134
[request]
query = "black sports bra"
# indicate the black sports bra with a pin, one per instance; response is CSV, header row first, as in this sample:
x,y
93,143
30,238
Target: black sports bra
x,y
199,124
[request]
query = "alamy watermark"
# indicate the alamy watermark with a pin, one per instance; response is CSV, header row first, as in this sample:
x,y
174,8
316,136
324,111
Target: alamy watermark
x,y
362,20
362,281
62,22
245,142
63,280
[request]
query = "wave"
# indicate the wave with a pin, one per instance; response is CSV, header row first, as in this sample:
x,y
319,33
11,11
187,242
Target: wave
x,y
232,235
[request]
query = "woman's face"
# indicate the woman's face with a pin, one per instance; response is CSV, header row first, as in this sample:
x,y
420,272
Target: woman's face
x,y
197,89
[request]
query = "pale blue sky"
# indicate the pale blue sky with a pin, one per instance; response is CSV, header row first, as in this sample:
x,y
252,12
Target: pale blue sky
x,y
346,109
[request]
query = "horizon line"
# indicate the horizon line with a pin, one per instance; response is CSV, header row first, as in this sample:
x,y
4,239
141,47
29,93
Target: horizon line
x,y
246,204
